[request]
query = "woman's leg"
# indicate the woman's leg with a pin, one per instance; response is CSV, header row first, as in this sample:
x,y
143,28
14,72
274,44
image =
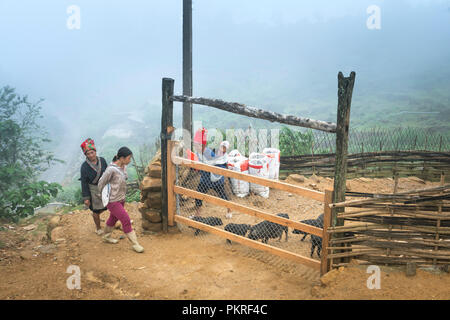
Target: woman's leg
x,y
110,223
118,212
124,218
96,217
219,187
203,187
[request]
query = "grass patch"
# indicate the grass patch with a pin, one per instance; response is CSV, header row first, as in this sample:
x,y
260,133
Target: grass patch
x,y
68,209
41,227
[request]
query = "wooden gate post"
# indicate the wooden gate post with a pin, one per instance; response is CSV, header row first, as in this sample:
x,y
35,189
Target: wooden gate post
x,y
187,72
171,176
166,125
324,265
345,91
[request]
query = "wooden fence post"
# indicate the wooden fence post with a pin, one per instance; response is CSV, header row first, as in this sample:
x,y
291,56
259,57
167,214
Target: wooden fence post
x,y
438,222
171,176
325,265
166,125
187,72
345,91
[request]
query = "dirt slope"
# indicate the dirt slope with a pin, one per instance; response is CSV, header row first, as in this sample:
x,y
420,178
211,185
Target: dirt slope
x,y
179,266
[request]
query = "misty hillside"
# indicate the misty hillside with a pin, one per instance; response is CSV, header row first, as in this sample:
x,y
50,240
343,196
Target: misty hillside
x,y
104,80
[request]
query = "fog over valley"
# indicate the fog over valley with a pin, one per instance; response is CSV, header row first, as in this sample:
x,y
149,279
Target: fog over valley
x,y
103,80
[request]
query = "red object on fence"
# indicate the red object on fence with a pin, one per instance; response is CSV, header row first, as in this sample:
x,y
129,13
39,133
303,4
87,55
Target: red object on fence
x,y
243,165
255,166
191,156
200,136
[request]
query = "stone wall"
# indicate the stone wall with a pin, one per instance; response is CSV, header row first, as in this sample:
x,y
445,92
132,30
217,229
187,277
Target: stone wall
x,y
151,199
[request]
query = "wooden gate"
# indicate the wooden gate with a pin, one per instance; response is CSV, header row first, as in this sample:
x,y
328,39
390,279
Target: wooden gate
x,y
173,189
169,157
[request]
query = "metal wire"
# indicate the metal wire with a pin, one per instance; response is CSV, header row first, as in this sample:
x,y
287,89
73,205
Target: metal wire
x,y
278,202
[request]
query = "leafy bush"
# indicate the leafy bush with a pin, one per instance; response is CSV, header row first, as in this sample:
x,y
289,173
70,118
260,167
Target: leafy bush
x,y
295,142
22,157
21,201
133,195
70,195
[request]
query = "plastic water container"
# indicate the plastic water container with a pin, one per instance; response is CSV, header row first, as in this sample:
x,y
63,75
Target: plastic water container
x,y
258,166
234,153
240,164
274,162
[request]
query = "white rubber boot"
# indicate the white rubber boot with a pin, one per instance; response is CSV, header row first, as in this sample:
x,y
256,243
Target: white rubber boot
x,y
107,236
136,246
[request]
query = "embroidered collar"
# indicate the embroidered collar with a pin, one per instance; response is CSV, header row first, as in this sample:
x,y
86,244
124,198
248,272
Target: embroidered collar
x,y
96,167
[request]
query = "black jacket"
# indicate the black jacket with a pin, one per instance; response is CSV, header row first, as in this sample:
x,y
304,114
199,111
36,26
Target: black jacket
x,y
88,175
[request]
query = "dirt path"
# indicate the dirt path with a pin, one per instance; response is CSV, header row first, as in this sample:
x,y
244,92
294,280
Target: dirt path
x,y
174,266
179,266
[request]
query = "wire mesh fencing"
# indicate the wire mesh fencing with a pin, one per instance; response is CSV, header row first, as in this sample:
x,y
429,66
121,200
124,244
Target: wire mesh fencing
x,y
310,142
375,153
281,203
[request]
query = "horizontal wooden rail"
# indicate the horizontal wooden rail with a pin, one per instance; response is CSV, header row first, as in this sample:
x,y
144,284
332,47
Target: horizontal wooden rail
x,y
304,192
368,155
248,111
248,242
250,211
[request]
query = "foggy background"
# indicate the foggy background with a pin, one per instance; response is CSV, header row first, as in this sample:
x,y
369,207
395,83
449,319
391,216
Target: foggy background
x,y
104,80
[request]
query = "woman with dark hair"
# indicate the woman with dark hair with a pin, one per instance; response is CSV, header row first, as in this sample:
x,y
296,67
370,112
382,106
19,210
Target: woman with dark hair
x,y
91,171
116,176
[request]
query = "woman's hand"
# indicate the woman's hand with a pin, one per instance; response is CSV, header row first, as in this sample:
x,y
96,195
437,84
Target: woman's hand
x,y
87,203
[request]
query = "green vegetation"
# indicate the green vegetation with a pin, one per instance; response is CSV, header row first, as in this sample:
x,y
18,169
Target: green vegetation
x,y
70,195
23,157
295,142
133,195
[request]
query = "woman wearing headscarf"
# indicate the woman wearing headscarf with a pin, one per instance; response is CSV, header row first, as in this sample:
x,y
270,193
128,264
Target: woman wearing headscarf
x,y
91,171
116,176
208,180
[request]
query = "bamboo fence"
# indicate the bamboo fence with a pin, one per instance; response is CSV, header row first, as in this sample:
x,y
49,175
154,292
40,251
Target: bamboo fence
x,y
427,165
394,229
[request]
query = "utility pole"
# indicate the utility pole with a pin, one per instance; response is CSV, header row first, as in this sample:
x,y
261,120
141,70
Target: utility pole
x,y
187,72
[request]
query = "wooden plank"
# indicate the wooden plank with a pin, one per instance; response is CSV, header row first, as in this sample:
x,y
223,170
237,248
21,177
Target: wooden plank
x,y
171,204
366,226
304,192
325,238
248,111
250,243
352,253
166,122
250,211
